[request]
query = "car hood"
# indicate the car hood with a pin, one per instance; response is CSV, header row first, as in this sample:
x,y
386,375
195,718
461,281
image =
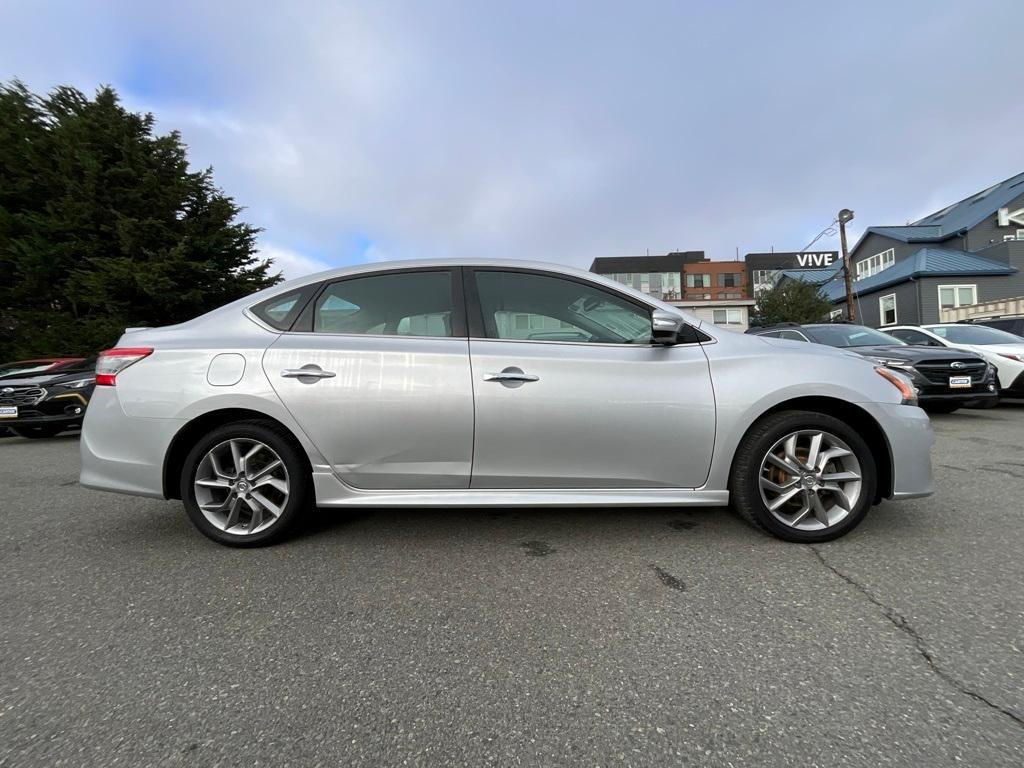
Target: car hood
x,y
43,379
1010,349
912,353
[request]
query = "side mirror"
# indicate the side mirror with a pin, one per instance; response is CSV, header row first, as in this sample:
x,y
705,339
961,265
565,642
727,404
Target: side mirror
x,y
665,327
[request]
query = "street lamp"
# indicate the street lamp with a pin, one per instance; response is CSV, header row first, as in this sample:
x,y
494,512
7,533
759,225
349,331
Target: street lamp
x,y
844,216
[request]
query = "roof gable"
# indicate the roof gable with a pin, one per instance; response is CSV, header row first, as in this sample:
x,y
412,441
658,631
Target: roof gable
x,y
930,261
955,218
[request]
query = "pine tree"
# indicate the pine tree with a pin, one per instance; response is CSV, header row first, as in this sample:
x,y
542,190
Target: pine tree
x,y
791,301
103,225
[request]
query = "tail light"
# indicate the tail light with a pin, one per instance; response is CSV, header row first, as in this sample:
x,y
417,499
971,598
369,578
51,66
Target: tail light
x,y
111,362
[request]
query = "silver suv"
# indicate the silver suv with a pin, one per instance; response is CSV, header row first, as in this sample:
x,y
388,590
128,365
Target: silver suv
x,y
492,384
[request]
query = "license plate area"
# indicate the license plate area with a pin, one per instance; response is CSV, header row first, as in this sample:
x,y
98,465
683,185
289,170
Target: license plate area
x,y
8,411
959,382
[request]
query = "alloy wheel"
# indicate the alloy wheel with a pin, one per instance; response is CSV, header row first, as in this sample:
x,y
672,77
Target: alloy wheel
x,y
241,486
810,480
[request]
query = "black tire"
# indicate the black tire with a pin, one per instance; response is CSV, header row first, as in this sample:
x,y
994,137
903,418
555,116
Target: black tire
x,y
291,455
40,431
942,407
744,482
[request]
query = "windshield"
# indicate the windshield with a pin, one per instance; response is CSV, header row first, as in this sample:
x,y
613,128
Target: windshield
x,y
974,334
840,335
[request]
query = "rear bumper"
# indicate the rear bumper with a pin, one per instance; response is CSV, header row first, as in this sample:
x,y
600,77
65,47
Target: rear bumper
x,y
909,432
121,453
34,421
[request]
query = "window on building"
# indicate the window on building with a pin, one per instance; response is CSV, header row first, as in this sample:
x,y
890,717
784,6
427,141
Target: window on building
x,y
1020,234
727,316
730,295
887,309
875,264
729,279
698,281
671,287
953,296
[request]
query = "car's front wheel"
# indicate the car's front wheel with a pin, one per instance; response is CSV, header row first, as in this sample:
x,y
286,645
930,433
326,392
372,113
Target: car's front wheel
x,y
244,484
803,476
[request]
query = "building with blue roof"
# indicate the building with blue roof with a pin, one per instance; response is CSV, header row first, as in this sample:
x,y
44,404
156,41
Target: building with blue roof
x,y
967,253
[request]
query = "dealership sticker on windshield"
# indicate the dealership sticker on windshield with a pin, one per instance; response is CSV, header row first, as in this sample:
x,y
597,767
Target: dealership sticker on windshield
x,y
8,411
959,382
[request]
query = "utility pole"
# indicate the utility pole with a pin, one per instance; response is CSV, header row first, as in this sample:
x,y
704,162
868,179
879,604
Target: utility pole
x,y
846,215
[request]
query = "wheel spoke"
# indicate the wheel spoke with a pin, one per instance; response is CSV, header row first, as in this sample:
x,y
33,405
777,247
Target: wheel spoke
x,y
782,464
217,506
257,515
790,449
819,509
812,454
268,468
236,505
266,504
273,482
834,477
805,510
835,452
775,487
214,482
215,463
236,457
841,498
783,498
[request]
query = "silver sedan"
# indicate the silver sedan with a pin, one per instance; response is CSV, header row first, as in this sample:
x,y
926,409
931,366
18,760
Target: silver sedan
x,y
492,384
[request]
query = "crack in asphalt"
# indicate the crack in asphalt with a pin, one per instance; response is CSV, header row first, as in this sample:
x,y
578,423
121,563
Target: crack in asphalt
x,y
899,621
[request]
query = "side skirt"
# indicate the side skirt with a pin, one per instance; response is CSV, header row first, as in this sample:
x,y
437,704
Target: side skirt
x,y
332,493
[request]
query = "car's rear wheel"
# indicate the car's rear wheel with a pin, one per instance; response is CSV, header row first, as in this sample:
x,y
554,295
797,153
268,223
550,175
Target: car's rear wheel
x,y
244,484
40,431
803,476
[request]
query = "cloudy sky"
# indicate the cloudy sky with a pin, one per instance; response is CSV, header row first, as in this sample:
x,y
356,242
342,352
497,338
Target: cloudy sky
x,y
560,131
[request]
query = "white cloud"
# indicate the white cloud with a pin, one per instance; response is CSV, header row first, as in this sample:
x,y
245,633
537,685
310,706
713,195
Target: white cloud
x,y
290,263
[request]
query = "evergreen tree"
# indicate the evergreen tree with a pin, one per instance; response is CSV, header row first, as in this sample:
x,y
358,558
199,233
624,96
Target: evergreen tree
x,y
792,301
103,226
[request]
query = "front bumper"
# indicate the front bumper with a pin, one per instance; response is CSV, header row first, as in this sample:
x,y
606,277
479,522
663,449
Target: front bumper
x,y
909,433
1016,388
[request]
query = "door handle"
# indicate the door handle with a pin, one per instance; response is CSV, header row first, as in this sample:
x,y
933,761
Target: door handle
x,y
511,374
312,372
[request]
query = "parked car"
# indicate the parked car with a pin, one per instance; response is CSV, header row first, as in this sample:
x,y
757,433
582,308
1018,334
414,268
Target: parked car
x,y
945,380
417,385
45,401
1010,323
1003,350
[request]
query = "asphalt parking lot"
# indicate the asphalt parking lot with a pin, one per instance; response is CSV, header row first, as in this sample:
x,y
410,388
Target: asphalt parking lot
x,y
611,637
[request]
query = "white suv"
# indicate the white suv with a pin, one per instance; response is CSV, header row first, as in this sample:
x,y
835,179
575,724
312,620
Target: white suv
x,y
1003,350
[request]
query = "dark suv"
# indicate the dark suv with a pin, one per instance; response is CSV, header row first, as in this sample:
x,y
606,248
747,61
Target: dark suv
x,y
945,379
43,403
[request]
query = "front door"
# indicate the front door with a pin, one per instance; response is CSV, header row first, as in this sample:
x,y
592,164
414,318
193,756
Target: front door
x,y
379,379
571,393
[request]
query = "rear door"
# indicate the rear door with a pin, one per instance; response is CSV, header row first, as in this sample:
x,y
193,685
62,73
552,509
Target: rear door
x,y
376,371
571,393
